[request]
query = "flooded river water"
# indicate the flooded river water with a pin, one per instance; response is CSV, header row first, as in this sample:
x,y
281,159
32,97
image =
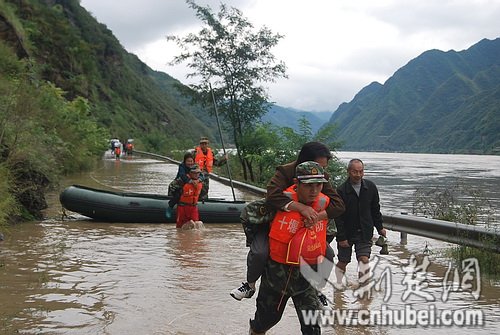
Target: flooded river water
x,y
76,276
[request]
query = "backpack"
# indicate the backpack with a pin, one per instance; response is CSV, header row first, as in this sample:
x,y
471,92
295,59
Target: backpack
x,y
256,215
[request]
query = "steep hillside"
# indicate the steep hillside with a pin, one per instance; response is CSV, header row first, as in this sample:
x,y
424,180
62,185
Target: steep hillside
x,y
82,57
438,102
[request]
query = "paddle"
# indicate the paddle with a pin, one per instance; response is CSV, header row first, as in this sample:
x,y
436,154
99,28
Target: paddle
x,y
222,140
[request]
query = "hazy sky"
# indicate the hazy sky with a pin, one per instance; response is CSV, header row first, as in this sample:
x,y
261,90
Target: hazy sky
x,y
332,48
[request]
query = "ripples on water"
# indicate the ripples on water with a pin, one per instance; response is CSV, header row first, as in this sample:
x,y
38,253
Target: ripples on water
x,y
94,278
84,277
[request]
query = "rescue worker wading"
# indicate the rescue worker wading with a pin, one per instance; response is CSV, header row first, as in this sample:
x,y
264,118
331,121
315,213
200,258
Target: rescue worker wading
x,y
205,159
282,278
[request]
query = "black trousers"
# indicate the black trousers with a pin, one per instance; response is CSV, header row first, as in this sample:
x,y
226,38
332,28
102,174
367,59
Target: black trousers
x,y
257,255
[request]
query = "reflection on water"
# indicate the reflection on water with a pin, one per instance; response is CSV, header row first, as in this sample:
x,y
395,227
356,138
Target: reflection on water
x,y
84,277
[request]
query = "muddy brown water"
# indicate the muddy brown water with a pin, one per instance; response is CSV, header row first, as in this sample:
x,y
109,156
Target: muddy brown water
x,y
77,276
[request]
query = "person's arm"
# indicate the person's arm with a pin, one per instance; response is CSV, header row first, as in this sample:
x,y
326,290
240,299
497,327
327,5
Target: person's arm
x,y
341,231
278,183
182,174
340,221
220,161
319,216
307,212
375,212
336,207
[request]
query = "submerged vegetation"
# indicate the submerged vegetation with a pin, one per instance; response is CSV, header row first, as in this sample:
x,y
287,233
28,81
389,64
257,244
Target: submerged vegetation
x,y
456,203
462,204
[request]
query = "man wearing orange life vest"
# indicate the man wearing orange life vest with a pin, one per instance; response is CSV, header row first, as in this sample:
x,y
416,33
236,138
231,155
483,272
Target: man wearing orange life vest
x,y
282,278
129,147
187,208
204,157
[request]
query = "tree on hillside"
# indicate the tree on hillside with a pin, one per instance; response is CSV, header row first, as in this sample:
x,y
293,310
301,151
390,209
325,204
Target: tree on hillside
x,y
268,146
236,60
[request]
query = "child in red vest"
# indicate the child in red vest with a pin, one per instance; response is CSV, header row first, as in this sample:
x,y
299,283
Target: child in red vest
x,y
187,208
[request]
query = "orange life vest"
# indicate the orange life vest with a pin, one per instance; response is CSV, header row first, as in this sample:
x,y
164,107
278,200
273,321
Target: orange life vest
x,y
286,224
190,193
204,161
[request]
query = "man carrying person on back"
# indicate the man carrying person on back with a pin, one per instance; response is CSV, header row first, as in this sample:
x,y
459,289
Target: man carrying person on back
x,y
282,278
187,208
276,199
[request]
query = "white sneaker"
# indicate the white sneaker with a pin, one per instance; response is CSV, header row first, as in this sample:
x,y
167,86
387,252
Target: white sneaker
x,y
244,291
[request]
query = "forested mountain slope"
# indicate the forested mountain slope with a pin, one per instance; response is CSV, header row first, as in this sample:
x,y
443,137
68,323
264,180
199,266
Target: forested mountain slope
x,y
444,102
82,57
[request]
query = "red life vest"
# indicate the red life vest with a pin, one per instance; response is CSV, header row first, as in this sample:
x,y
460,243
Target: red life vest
x,y
204,161
190,193
286,224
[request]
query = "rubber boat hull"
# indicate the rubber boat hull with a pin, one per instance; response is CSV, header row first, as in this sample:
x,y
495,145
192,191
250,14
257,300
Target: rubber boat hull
x,y
108,206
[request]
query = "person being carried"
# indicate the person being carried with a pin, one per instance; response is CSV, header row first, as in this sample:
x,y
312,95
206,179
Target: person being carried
x,y
276,199
355,226
187,208
206,160
182,177
282,278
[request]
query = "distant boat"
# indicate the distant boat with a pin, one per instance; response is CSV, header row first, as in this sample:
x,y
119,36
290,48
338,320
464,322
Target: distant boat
x,y
108,206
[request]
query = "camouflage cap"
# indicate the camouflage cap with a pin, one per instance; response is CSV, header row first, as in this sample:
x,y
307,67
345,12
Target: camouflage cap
x,y
203,139
194,168
310,172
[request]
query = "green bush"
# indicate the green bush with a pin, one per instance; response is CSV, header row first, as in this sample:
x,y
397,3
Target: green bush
x,y
42,135
8,206
462,204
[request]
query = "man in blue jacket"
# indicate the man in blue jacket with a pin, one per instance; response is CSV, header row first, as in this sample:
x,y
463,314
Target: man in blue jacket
x,y
355,226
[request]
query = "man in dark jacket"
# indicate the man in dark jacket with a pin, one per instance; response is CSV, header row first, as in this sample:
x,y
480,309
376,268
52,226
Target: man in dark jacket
x,y
355,226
